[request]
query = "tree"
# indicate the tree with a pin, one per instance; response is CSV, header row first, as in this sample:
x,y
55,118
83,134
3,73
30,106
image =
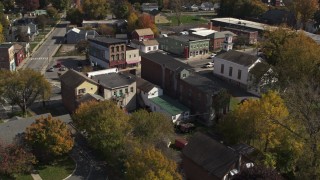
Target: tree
x,y
121,9
82,46
49,138
132,21
151,128
145,21
1,34
43,3
15,159
95,9
42,21
242,8
106,127
23,87
221,101
61,4
148,164
104,29
30,5
8,4
75,16
52,12
176,6
304,10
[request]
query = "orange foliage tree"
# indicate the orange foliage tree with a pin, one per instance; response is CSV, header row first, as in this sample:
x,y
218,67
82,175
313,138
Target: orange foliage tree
x,y
145,21
49,137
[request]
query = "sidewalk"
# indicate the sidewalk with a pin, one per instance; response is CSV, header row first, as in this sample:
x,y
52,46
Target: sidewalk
x,y
36,177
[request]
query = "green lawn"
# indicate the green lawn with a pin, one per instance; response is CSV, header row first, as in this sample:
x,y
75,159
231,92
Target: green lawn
x,y
233,103
60,170
187,20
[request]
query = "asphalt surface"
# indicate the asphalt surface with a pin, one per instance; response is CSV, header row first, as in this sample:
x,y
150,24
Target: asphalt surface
x,y
41,58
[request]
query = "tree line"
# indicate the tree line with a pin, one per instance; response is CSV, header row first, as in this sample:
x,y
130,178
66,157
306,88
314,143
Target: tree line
x,y
283,125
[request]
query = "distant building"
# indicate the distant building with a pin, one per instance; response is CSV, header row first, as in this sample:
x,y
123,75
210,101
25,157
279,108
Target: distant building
x,y
143,34
207,6
158,17
133,57
75,35
145,7
145,46
19,53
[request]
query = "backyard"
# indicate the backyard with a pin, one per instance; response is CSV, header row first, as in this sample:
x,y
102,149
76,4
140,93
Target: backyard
x,y
187,19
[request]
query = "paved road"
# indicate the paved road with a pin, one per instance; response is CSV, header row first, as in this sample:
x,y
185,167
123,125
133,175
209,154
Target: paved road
x,y
39,60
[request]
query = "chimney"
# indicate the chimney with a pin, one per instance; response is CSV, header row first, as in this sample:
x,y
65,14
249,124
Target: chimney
x,y
210,25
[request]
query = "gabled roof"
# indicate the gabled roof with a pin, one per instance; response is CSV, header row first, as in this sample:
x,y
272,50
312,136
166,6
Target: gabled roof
x,y
106,41
151,42
173,107
114,80
165,60
143,32
74,78
216,158
238,57
145,85
89,97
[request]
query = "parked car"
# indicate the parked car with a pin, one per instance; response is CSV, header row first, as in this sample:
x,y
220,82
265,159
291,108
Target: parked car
x,y
62,68
213,55
51,69
208,65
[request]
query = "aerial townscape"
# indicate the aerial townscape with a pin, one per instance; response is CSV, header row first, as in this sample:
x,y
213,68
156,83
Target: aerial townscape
x,y
159,89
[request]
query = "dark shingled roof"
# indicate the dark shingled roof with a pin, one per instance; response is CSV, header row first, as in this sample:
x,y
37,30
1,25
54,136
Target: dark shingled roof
x,y
114,80
208,153
238,57
203,83
185,38
154,12
106,41
144,85
89,97
74,78
259,69
168,61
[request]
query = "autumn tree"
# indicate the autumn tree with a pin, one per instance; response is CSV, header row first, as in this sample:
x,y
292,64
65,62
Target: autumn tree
x,y
42,21
145,21
24,87
242,8
104,30
257,172
149,163
52,12
106,127
95,9
221,101
304,10
15,159
75,16
121,9
151,128
1,34
8,4
49,137
132,22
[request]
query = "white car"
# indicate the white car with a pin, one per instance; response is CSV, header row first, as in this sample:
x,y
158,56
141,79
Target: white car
x,y
213,55
208,65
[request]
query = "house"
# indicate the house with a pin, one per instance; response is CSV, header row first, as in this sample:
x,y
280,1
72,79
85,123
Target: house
x,y
245,70
23,34
278,17
26,47
145,7
107,52
192,7
19,53
145,46
74,85
133,57
185,46
207,6
119,87
167,69
75,35
207,159
7,57
158,18
219,39
143,34
152,98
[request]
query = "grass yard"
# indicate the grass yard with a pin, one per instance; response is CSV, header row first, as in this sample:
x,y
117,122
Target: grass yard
x,y
60,170
187,20
233,103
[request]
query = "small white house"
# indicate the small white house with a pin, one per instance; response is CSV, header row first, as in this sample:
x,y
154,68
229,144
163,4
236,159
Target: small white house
x,y
244,70
145,46
153,98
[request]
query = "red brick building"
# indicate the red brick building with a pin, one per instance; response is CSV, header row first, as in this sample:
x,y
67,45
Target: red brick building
x,y
249,36
19,54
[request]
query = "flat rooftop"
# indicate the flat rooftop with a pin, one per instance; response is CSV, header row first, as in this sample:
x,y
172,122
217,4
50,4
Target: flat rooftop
x,y
171,106
241,22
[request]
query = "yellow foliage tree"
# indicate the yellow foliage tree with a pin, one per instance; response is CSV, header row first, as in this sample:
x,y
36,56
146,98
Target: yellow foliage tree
x,y
149,163
1,34
49,137
132,21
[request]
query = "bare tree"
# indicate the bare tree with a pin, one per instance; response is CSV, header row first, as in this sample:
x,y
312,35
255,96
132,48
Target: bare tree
x,y
176,6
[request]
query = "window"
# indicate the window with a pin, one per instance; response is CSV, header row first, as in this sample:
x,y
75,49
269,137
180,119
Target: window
x,y
239,74
117,57
112,49
112,57
82,91
131,89
122,48
184,75
115,93
222,68
122,56
134,55
120,91
230,71
155,48
126,90
149,48
130,56
117,48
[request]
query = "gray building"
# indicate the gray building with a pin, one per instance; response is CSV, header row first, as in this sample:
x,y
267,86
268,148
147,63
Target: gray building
x,y
74,35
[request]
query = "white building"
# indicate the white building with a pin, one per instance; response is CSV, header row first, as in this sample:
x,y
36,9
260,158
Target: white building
x,y
145,46
245,70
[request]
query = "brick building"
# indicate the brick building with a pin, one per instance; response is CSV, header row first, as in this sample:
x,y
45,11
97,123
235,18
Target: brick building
x,y
7,57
